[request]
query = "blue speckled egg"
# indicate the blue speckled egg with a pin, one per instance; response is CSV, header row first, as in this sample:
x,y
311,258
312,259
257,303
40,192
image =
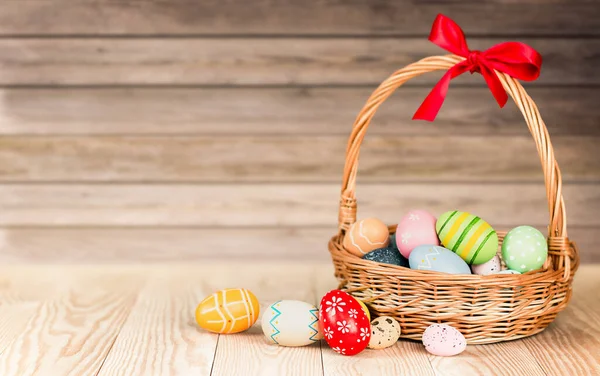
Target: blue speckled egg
x,y
388,255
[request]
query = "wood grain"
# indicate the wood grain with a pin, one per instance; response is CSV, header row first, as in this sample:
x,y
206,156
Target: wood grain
x,y
575,329
72,332
87,301
256,357
494,359
404,358
175,17
250,111
278,204
132,159
53,246
13,320
259,61
161,330
254,354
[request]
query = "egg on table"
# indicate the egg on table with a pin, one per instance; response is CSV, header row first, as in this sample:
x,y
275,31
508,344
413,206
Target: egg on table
x,y
365,236
443,340
291,323
385,332
491,267
467,235
416,228
228,311
388,255
437,259
524,249
345,326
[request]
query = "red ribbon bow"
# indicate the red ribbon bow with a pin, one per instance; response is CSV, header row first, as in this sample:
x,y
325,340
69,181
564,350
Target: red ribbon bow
x,y
516,59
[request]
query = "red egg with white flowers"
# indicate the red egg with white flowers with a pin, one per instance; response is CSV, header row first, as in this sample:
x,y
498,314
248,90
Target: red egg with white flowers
x,y
345,325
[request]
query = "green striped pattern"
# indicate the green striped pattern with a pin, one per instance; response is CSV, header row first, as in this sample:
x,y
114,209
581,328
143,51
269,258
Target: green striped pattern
x,y
467,235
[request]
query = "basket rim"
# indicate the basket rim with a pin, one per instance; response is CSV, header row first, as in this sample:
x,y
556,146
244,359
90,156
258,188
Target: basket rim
x,y
542,275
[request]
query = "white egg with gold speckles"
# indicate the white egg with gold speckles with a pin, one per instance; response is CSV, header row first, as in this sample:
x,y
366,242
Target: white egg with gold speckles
x,y
291,323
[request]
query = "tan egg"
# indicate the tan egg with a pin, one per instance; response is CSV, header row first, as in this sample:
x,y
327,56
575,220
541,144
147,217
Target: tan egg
x,y
365,236
385,331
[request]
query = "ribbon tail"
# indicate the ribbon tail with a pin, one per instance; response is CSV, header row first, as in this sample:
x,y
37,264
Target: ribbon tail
x,y
493,82
434,100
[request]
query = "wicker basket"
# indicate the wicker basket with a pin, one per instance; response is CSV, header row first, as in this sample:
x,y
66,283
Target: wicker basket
x,y
485,309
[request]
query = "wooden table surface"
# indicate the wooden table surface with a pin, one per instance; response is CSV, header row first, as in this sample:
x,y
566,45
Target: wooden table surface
x,y
139,320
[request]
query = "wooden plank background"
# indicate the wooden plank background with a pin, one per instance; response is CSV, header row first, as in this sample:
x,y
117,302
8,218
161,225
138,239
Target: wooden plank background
x,y
154,131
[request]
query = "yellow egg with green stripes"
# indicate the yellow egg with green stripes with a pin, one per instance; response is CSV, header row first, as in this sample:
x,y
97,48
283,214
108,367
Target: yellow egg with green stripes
x,y
467,235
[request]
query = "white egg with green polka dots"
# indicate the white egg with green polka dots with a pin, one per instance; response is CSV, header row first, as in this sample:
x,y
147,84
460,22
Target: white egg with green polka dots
x,y
524,249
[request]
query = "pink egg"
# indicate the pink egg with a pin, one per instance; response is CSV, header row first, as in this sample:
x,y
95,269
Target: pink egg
x,y
443,340
416,228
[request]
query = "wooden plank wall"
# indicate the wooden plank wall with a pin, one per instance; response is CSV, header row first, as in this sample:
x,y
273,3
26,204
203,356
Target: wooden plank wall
x,y
157,131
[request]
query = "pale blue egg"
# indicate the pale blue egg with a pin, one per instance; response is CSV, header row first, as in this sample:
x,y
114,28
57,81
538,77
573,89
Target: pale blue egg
x,y
437,259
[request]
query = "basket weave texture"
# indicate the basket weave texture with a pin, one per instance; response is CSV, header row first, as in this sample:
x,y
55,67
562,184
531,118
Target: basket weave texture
x,y
485,309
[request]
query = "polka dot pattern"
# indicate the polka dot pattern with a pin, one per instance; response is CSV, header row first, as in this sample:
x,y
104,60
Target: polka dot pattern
x,y
524,249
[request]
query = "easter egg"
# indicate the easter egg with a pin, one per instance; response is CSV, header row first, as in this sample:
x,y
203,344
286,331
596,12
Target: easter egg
x,y
228,311
385,331
508,271
443,340
469,236
364,307
387,255
365,236
291,323
524,249
416,228
346,327
437,259
491,267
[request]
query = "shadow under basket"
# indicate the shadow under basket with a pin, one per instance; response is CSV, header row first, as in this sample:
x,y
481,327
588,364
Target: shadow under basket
x,y
485,309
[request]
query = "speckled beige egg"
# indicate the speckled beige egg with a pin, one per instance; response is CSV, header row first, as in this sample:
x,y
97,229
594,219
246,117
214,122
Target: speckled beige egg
x,y
365,236
385,331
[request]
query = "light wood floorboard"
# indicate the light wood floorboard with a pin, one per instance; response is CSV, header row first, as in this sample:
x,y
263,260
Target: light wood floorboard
x,y
138,320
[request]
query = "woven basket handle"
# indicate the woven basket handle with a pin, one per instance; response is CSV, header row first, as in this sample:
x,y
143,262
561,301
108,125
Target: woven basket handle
x,y
557,230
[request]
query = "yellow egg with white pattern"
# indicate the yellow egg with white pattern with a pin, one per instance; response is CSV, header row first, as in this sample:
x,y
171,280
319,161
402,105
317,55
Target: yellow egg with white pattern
x,y
228,311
